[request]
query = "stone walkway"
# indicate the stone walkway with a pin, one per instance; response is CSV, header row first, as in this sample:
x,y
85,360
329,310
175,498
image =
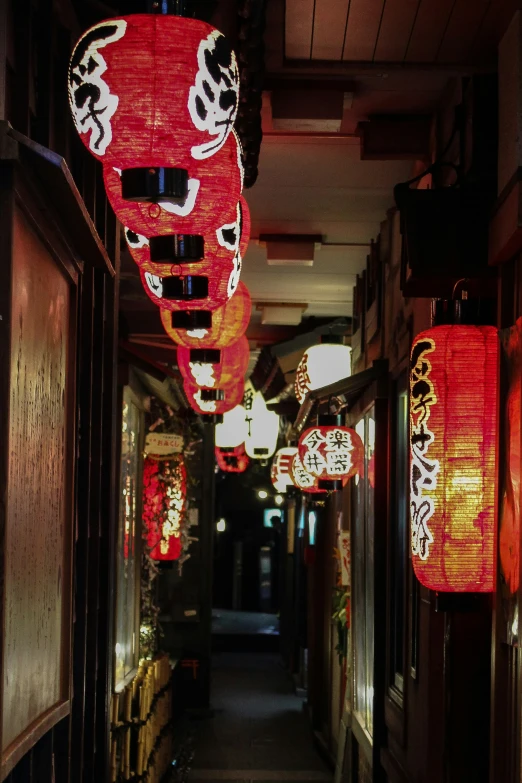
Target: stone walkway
x,y
259,731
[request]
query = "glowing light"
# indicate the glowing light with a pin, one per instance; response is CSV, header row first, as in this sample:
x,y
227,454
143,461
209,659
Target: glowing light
x,y
279,500
320,366
453,432
262,494
221,526
280,471
263,425
331,452
233,430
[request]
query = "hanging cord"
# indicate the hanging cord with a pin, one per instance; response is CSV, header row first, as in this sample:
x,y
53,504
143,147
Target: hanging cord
x,y
439,162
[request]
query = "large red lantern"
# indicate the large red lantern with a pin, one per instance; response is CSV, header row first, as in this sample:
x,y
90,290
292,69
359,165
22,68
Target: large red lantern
x,y
302,479
330,451
280,470
213,189
453,434
232,460
146,87
197,366
205,329
164,500
204,401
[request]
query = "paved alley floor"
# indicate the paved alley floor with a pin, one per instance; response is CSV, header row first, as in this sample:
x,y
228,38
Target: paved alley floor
x,y
259,731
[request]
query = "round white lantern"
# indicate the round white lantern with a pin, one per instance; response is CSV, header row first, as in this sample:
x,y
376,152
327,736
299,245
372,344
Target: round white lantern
x,y
233,431
262,426
280,472
322,365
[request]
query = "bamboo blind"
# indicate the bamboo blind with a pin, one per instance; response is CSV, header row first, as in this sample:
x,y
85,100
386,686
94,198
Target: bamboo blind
x,y
135,733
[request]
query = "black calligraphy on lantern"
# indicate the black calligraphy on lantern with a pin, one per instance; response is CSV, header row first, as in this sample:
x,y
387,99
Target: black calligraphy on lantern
x,y
423,470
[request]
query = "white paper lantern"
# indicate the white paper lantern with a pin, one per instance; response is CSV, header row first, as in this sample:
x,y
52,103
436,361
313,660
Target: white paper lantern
x,y
233,431
322,365
262,425
280,472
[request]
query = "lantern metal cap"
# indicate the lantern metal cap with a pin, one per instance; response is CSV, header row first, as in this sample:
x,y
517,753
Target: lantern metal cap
x,y
329,420
212,395
177,248
189,320
212,418
331,339
470,312
185,288
205,355
154,184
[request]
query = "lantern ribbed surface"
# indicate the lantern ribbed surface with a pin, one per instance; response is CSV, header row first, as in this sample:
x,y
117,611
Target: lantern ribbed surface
x,y
164,502
331,452
229,323
280,470
144,87
235,461
232,366
246,226
168,289
320,366
214,188
453,437
233,396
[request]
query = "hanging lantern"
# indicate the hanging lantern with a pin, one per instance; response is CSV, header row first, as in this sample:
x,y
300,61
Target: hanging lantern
x,y
453,433
206,329
232,460
263,425
320,366
330,451
197,366
164,501
213,401
302,479
280,471
219,246
213,189
147,86
232,431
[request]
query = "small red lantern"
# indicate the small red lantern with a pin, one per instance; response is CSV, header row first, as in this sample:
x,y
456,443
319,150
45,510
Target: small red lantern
x,y
280,470
164,500
232,460
302,479
453,434
147,86
206,401
197,367
213,189
205,329
330,451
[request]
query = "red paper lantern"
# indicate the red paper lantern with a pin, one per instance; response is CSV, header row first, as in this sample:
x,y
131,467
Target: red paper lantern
x,y
214,188
232,397
164,501
302,479
331,452
225,325
232,460
232,365
453,433
148,87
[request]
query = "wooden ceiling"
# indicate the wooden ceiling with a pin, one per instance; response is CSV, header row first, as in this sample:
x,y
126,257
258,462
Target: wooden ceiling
x,y
396,31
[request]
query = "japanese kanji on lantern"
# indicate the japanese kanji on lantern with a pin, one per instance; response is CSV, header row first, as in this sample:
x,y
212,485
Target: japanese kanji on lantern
x,y
262,425
320,366
196,366
331,451
213,401
164,502
301,479
145,86
453,436
232,431
280,470
232,460
204,328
